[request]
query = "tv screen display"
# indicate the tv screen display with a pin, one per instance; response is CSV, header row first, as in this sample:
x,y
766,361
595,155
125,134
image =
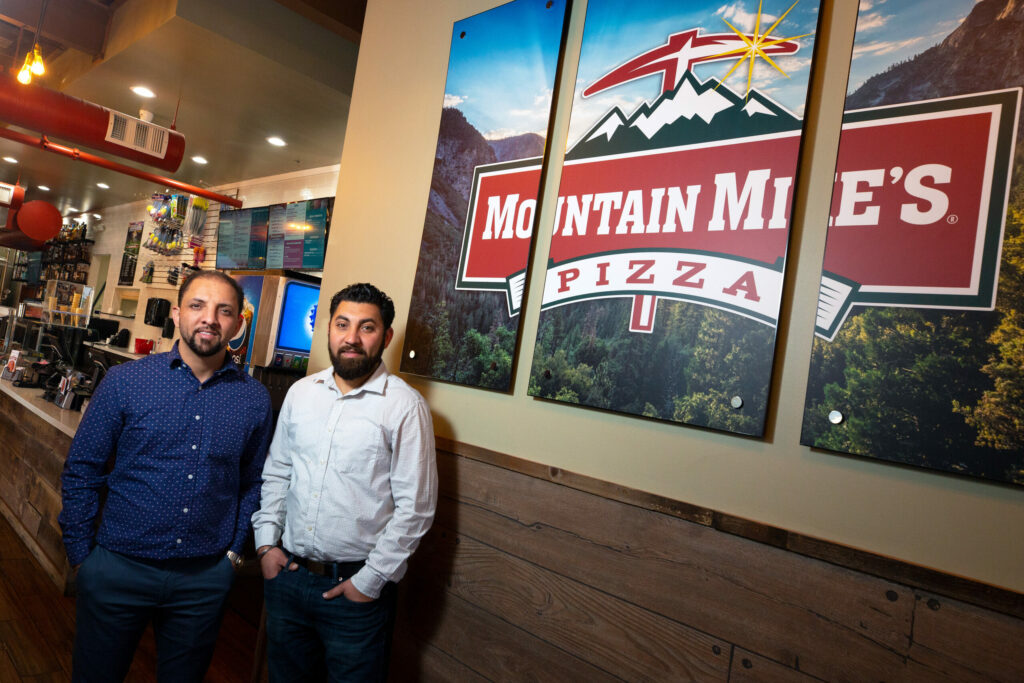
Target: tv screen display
x,y
242,238
298,313
297,234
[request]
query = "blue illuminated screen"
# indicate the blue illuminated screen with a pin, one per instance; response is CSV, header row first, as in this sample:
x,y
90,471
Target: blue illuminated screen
x,y
298,313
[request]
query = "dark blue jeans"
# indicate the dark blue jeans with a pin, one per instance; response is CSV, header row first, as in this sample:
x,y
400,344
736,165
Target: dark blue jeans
x,y
312,639
119,596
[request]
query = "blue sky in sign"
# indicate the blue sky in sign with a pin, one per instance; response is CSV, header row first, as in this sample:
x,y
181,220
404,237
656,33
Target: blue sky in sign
x,y
501,73
891,31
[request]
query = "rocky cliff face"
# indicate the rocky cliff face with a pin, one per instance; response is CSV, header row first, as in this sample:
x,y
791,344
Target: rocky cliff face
x,y
518,147
986,52
460,149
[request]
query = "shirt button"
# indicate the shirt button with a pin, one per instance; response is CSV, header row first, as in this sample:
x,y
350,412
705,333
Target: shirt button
x,y
190,476
178,541
194,446
185,510
309,528
197,417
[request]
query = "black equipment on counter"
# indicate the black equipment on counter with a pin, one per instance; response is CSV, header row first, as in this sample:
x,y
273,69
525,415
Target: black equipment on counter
x,y
157,311
121,338
102,328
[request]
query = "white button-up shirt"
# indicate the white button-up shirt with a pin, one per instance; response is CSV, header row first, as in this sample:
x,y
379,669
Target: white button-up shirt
x,y
351,476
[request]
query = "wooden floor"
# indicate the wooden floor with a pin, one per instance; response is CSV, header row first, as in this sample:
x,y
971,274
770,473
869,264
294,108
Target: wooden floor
x,y
37,626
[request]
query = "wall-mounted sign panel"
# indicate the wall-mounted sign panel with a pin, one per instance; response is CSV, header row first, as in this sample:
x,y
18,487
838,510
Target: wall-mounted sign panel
x,y
464,315
917,353
664,277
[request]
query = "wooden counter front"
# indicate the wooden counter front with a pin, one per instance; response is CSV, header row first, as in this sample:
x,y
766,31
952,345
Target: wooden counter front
x,y
34,440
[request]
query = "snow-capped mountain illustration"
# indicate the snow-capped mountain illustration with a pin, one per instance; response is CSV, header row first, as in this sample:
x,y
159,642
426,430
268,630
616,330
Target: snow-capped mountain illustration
x,y
694,112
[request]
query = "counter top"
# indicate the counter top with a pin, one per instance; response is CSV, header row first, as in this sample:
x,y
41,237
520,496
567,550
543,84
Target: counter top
x,y
65,420
117,350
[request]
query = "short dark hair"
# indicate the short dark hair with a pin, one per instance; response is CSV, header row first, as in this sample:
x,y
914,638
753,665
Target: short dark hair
x,y
212,275
365,293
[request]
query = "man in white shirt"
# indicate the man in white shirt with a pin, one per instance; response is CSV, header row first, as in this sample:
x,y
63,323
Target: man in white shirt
x,y
349,489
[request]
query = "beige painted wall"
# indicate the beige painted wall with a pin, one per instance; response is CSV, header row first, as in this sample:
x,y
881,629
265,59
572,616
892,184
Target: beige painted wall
x,y
957,525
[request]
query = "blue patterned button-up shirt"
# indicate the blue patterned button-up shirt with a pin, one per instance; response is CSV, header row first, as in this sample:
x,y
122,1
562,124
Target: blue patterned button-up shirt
x,y
187,460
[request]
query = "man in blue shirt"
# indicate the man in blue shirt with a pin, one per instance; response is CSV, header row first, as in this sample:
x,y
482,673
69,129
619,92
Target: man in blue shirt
x,y
187,432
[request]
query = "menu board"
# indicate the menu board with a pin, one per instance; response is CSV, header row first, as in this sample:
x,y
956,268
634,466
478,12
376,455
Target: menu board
x,y
242,238
298,234
279,236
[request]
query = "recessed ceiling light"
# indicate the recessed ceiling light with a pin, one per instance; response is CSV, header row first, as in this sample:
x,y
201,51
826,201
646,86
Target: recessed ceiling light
x,y
72,209
97,216
103,186
10,160
276,141
143,91
199,160
44,188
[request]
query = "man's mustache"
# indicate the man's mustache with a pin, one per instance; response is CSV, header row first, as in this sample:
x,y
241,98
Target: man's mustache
x,y
352,349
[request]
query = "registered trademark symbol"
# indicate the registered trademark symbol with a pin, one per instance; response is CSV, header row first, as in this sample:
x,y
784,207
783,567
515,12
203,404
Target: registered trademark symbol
x,y
952,218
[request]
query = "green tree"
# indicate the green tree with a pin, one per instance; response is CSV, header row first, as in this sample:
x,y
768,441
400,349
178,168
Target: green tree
x,y
901,367
441,347
999,414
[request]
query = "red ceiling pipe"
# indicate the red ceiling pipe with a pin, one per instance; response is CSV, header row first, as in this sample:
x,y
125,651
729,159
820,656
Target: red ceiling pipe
x,y
115,166
61,116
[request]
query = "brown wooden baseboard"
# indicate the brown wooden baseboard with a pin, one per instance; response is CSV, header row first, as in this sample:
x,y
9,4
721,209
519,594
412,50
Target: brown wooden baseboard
x,y
915,576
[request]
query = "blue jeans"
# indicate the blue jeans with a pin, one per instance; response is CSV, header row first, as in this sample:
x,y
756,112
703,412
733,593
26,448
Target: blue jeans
x,y
119,596
312,639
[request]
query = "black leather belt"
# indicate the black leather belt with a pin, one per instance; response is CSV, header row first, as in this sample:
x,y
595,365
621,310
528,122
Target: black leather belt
x,y
340,571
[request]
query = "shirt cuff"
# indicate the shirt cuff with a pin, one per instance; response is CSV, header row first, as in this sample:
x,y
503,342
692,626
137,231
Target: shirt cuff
x,y
368,582
78,552
265,535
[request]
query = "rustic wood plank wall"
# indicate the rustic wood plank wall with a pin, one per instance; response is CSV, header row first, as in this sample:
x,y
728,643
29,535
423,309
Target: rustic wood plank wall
x,y
32,454
525,578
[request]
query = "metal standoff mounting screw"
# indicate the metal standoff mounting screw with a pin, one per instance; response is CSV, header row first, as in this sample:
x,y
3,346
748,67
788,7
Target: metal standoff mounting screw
x,y
835,417
736,402
412,354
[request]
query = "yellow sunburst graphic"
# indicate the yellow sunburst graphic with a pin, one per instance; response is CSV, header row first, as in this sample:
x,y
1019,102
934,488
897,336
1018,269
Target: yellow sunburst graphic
x,y
755,46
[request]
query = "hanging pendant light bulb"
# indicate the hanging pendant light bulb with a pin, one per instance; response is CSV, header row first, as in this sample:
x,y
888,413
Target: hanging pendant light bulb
x,y
38,68
25,74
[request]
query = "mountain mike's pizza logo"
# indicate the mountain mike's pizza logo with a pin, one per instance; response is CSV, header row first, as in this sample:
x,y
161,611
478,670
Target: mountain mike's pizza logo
x,y
689,197
917,221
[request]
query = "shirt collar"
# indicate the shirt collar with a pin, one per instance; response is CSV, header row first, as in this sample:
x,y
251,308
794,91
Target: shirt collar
x,y
175,361
376,384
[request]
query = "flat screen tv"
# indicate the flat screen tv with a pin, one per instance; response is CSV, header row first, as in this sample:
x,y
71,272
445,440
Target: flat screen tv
x,y
298,314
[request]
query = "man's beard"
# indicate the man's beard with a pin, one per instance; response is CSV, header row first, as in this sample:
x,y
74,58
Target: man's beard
x,y
204,349
355,368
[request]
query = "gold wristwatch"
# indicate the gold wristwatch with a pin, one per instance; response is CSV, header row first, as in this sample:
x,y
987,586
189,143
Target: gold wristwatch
x,y
236,559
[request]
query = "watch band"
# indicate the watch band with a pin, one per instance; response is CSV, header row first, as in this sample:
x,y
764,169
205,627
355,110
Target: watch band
x,y
260,554
235,558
